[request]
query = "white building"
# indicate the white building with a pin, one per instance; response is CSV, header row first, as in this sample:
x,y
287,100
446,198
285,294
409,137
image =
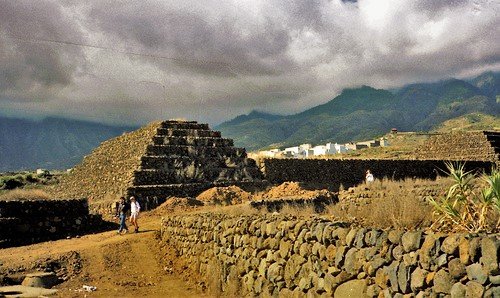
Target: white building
x,y
270,153
340,148
291,151
320,150
384,142
297,151
42,172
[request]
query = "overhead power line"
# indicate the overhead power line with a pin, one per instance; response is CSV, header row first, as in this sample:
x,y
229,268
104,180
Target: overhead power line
x,y
226,65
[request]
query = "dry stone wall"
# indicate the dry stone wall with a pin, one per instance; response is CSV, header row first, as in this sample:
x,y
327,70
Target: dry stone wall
x,y
23,222
349,172
278,255
162,159
185,158
478,145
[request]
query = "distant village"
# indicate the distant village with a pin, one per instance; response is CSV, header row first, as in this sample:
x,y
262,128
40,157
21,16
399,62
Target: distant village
x,y
307,150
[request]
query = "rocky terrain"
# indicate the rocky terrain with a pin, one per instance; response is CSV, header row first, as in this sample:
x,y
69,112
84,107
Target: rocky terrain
x,y
105,174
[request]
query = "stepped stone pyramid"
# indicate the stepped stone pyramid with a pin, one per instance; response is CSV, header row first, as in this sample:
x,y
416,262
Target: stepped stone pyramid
x,y
473,145
162,159
186,158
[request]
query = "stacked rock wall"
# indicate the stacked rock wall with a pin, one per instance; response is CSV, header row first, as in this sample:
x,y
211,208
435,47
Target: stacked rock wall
x,y
479,145
349,172
23,222
185,158
162,159
288,257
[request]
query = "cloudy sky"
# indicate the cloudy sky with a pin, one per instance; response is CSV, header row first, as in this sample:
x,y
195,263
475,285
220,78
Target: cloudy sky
x,y
135,61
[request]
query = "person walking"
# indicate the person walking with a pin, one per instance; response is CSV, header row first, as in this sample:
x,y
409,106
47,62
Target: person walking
x,y
369,177
134,213
122,213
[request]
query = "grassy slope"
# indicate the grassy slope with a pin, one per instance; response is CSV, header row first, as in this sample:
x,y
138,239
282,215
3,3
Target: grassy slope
x,y
365,113
403,145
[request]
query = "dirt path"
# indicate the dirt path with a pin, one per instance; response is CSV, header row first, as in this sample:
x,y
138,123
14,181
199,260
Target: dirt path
x,y
129,265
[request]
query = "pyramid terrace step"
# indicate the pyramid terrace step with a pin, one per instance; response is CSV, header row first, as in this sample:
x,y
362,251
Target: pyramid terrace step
x,y
197,174
495,143
165,190
491,133
196,141
206,151
179,121
172,162
169,132
184,125
493,138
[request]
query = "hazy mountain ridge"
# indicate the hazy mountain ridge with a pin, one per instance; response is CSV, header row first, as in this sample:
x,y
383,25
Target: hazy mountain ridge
x,y
53,143
366,112
356,114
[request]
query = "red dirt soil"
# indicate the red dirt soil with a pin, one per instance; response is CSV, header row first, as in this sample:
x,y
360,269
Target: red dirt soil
x,y
130,265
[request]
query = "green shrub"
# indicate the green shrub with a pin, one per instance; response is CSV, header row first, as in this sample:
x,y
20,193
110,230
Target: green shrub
x,y
471,204
11,182
31,178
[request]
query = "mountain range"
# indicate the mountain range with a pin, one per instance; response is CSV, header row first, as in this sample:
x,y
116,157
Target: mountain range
x,y
52,143
356,114
365,112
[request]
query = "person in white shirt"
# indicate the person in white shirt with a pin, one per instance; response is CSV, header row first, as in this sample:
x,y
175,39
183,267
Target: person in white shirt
x,y
134,213
369,177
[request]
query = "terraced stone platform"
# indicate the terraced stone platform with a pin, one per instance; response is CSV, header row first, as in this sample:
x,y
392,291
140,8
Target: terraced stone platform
x,y
473,145
162,159
185,158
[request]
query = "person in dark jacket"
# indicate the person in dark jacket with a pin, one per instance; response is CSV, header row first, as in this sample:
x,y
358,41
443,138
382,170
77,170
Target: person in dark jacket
x,y
123,209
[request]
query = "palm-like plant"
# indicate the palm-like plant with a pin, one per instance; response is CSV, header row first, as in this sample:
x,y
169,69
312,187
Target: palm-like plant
x,y
465,207
491,195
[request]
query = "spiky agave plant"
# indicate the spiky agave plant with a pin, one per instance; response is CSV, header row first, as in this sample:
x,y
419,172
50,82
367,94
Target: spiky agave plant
x,y
464,207
491,195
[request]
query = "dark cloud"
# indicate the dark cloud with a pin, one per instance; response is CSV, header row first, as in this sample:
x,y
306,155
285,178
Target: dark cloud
x,y
438,5
194,40
130,61
27,61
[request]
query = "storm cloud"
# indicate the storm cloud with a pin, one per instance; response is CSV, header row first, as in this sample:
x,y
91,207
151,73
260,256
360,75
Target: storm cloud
x,y
136,61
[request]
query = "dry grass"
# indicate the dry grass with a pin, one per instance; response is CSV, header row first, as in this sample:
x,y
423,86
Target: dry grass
x,y
303,211
24,194
385,203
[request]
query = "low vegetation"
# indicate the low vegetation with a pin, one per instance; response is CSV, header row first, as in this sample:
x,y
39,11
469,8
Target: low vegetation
x,y
471,204
28,180
386,203
24,194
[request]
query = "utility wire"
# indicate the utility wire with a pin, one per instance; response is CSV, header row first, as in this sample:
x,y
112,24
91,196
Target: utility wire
x,y
226,65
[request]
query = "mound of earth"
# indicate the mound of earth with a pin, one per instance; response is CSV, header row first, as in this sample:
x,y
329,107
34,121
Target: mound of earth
x,y
174,204
230,195
291,189
105,174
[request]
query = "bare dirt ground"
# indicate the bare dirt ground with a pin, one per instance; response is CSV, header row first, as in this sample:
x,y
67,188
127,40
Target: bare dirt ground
x,y
133,265
129,265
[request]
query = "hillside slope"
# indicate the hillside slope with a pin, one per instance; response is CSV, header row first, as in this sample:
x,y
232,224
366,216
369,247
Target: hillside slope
x,y
365,112
52,143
